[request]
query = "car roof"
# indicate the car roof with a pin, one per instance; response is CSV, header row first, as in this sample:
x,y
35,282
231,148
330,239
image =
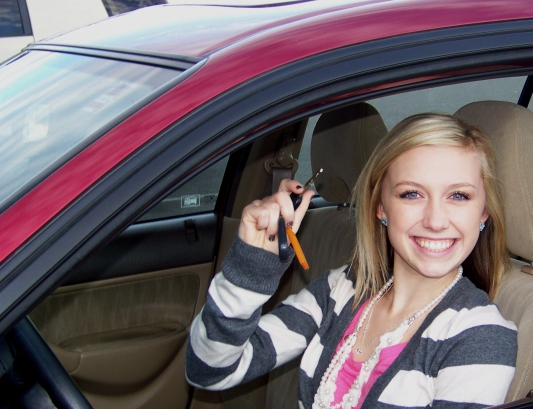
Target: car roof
x,y
175,28
196,30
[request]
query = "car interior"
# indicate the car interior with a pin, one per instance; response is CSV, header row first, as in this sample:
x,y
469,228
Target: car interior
x,y
119,324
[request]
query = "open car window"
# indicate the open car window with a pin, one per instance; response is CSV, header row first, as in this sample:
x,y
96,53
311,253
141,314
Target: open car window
x,y
444,99
447,99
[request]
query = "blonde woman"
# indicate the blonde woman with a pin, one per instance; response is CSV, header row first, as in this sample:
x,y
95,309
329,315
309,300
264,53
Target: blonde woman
x,y
410,323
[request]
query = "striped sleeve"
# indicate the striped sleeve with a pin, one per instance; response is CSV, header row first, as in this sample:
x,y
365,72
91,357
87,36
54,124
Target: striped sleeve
x,y
473,354
230,342
480,357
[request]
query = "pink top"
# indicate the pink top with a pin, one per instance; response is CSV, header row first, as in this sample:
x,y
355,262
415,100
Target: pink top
x,y
351,368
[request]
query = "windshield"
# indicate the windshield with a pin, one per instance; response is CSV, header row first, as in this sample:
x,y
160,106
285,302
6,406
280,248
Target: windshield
x,y
51,104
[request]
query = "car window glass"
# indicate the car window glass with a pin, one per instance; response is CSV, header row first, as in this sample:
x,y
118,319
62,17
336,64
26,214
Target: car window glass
x,y
444,99
51,103
304,172
114,7
10,19
196,196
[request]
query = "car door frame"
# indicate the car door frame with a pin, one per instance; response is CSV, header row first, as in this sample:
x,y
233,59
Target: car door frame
x,y
241,115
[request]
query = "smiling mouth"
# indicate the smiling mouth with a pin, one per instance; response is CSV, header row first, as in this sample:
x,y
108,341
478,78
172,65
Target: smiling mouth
x,y
434,245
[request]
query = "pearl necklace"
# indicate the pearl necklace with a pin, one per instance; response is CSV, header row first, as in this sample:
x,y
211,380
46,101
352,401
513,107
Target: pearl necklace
x,y
326,390
359,350
373,303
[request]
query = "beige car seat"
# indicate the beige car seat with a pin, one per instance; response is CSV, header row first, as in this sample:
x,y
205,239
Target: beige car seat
x,y
342,142
510,129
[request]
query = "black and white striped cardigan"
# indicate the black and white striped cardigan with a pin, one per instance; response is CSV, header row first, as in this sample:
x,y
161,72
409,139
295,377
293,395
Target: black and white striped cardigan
x,y
462,356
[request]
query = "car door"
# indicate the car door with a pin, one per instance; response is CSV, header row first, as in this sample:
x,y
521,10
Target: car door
x,y
227,120
119,324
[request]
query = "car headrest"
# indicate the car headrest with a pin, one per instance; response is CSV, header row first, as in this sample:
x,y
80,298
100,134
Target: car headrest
x,y
510,129
342,142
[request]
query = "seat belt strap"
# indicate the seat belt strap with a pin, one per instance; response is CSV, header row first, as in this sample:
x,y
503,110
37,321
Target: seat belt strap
x,y
283,165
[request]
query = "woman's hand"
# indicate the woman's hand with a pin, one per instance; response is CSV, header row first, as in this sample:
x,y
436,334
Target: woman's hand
x,y
259,222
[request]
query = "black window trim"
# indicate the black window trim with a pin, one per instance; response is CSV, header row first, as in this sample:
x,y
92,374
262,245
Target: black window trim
x,y
25,18
527,90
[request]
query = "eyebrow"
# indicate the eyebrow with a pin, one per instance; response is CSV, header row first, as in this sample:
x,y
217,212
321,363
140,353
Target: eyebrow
x,y
454,186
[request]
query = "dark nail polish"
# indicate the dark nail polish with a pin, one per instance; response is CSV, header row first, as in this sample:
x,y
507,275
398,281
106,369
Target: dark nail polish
x,y
290,224
298,187
271,237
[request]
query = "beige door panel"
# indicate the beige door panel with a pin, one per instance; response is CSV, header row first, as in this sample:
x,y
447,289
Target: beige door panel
x,y
123,365
123,339
168,390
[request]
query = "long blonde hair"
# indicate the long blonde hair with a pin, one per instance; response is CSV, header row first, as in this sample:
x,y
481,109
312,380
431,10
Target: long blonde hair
x,y
373,254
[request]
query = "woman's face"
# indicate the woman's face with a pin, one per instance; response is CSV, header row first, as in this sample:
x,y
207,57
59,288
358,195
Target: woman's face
x,y
433,199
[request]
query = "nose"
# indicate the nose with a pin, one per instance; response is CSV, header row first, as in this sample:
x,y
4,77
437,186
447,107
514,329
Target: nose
x,y
435,216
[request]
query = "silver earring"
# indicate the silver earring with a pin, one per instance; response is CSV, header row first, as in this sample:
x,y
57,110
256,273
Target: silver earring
x,y
384,222
481,226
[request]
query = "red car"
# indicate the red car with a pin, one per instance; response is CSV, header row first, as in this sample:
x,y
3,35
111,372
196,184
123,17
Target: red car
x,y
128,149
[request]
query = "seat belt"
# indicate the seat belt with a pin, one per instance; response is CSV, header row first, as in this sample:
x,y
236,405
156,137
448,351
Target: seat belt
x,y
282,166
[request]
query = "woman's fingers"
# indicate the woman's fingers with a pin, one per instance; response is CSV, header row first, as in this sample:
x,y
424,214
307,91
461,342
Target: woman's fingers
x,y
290,186
302,209
295,216
261,216
274,210
259,224
286,207
286,188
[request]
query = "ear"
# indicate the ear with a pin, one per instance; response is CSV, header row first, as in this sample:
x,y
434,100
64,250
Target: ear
x,y
380,213
485,216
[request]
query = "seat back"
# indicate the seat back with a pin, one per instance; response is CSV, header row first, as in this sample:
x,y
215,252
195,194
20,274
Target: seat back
x,y
342,142
510,129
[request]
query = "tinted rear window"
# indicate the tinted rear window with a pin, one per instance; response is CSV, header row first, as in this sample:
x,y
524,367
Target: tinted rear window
x,y
114,7
53,104
10,19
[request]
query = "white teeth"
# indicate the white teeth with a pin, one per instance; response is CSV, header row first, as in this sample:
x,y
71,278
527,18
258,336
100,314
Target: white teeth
x,y
435,245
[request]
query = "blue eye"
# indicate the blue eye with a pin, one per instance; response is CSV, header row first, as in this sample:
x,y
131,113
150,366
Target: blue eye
x,y
411,194
460,196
